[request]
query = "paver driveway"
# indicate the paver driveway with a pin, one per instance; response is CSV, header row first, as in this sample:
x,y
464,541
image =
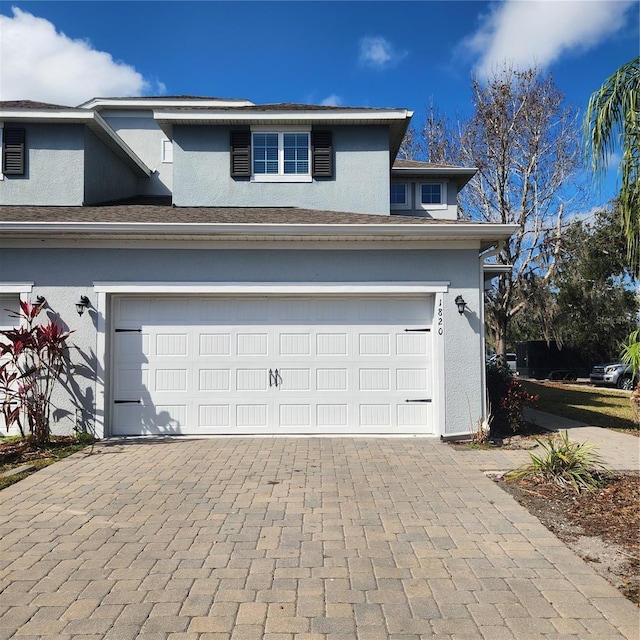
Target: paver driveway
x,y
307,538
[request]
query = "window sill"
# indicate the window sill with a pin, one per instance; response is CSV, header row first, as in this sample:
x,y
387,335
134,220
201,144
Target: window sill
x,y
281,178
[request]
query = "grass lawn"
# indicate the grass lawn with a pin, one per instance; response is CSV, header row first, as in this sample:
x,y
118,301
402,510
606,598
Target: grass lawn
x,y
12,455
594,406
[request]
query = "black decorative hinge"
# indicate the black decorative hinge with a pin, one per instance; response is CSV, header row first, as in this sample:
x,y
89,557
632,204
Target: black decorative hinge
x,y
128,330
421,330
420,400
127,401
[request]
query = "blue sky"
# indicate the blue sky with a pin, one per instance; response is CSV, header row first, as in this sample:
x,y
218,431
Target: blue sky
x,y
387,54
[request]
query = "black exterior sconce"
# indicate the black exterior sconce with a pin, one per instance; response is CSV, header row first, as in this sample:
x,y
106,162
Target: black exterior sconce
x,y
462,305
82,304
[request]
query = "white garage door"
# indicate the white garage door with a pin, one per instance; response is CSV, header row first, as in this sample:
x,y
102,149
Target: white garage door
x,y
219,365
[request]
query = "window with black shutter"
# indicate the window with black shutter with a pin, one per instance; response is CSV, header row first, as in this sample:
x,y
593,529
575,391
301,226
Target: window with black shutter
x,y
241,154
322,152
13,151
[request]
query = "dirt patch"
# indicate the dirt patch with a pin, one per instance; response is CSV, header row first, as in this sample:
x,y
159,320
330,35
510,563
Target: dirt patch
x,y
601,526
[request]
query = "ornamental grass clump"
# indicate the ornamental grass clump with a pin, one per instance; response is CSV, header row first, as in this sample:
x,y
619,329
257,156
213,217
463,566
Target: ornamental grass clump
x,y
565,464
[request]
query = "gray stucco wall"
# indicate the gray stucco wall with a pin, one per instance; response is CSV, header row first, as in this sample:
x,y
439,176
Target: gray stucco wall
x,y
62,275
54,167
450,212
106,176
143,135
360,183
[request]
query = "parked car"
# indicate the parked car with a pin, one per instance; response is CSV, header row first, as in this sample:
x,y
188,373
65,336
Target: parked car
x,y
511,361
614,374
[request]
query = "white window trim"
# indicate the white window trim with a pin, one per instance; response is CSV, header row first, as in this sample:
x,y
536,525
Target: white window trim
x,y
281,177
166,151
407,197
426,206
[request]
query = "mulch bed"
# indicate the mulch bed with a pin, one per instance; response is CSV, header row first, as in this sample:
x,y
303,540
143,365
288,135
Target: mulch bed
x,y
602,526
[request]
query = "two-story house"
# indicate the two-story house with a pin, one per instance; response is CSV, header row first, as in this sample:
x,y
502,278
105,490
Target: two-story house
x,y
245,269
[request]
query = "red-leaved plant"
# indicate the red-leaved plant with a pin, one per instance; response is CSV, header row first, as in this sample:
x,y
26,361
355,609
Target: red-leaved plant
x,y
32,358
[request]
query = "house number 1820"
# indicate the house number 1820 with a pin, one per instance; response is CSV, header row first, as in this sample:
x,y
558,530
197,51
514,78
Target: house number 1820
x,y
440,318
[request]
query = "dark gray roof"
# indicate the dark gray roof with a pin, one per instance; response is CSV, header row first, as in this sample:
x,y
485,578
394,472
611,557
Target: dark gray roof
x,y
31,104
154,213
416,164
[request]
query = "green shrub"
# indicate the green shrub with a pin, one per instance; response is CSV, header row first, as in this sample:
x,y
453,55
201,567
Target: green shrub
x,y
564,463
507,399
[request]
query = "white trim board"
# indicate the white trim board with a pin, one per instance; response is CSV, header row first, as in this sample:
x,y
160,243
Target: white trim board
x,y
276,288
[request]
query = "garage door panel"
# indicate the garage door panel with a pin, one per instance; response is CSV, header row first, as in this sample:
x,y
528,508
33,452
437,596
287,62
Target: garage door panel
x,y
213,416
251,380
294,379
214,344
252,344
331,379
252,415
171,344
331,344
213,380
344,366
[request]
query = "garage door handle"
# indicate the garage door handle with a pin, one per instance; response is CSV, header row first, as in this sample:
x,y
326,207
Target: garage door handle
x,y
278,378
272,380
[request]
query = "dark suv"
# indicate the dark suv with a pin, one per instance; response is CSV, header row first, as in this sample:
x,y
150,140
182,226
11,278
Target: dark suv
x,y
614,374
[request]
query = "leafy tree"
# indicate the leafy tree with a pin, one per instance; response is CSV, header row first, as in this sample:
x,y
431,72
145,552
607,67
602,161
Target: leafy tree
x,y
525,145
611,122
587,303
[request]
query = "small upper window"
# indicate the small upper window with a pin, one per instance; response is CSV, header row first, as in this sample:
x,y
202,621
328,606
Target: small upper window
x,y
167,150
431,195
281,155
399,196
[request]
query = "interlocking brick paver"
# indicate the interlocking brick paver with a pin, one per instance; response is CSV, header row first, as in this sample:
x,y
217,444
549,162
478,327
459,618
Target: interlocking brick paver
x,y
360,539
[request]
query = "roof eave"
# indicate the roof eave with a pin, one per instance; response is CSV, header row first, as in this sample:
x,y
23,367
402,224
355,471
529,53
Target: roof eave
x,y
486,234
90,119
461,175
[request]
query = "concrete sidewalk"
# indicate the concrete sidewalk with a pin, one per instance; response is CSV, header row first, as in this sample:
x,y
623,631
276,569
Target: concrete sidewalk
x,y
292,538
620,451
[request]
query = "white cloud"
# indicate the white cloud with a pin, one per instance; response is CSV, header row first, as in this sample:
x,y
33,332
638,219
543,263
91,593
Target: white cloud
x,y
333,100
40,63
538,32
379,53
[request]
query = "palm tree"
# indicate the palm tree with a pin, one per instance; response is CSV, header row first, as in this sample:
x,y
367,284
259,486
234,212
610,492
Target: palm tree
x,y
631,355
612,121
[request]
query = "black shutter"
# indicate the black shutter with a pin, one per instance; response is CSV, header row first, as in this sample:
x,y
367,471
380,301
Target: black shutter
x,y
13,151
322,152
241,154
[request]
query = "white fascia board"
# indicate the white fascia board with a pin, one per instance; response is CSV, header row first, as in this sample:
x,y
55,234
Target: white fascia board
x,y
274,288
75,116
176,117
16,287
148,103
486,234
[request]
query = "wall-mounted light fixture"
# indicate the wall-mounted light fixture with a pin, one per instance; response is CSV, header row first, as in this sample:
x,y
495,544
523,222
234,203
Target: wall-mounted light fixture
x,y
462,305
40,300
82,304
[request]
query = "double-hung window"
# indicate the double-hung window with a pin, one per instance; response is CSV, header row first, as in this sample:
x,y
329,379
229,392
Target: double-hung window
x,y
281,156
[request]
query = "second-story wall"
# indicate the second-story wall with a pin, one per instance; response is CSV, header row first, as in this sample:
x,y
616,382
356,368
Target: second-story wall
x,y
360,182
106,176
141,133
54,167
